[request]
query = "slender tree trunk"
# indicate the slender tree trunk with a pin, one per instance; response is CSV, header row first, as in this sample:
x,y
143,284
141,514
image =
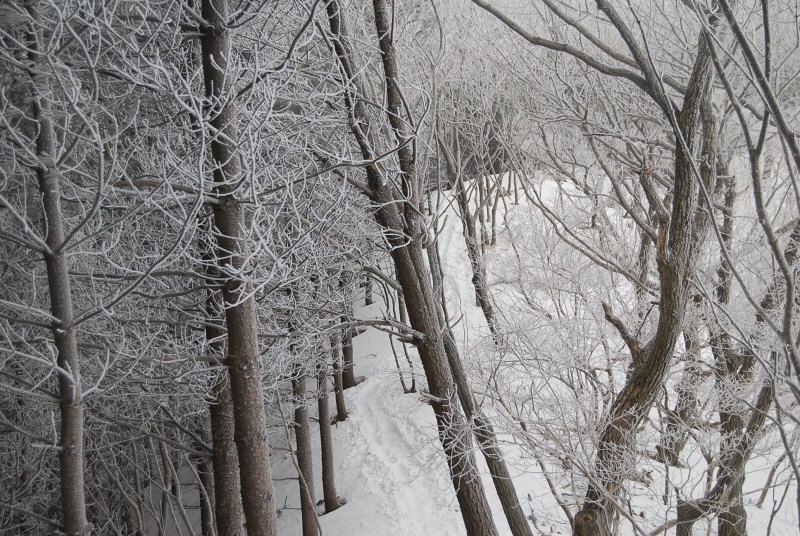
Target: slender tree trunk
x,y
205,486
399,217
227,498
326,442
70,443
479,280
369,285
338,382
481,427
240,318
302,434
423,315
498,196
348,368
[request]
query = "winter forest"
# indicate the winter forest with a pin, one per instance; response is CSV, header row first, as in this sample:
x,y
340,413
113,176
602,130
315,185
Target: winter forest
x,y
407,267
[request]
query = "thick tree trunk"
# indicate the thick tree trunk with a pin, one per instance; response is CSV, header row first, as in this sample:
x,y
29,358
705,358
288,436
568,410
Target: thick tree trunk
x,y
302,435
70,443
326,442
240,317
677,245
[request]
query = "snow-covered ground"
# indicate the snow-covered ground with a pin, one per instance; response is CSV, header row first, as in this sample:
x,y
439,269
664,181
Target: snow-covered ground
x,y
389,465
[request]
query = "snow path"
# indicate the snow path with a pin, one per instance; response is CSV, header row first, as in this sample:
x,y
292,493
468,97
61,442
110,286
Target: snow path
x,y
388,462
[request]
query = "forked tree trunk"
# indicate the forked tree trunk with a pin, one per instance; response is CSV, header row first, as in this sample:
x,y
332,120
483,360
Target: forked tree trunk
x,y
240,317
302,435
326,442
399,217
70,391
676,250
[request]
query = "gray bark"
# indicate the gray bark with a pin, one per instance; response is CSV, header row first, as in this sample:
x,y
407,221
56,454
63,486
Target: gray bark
x,y
70,443
302,435
240,318
326,442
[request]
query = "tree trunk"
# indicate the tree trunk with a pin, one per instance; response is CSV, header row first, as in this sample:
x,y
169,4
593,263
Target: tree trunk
x,y
326,442
70,443
302,434
369,285
481,427
399,218
675,252
348,369
679,420
479,280
413,276
338,382
240,318
206,490
227,499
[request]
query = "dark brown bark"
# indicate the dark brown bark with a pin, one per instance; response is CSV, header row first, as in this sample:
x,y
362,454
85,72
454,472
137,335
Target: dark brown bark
x,y
586,524
302,435
70,441
240,318
338,382
326,442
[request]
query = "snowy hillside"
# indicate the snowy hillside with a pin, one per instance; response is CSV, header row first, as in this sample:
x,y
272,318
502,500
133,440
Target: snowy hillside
x,y
389,465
